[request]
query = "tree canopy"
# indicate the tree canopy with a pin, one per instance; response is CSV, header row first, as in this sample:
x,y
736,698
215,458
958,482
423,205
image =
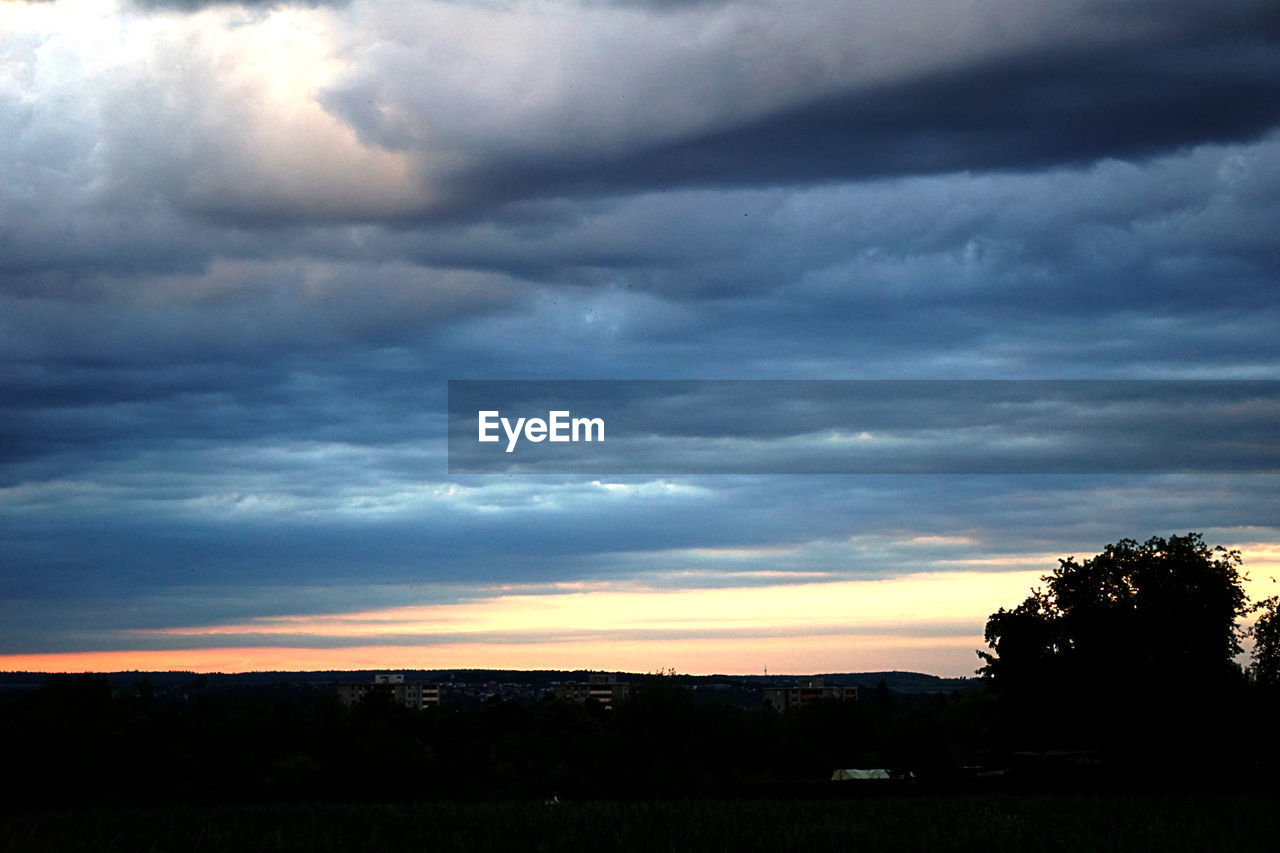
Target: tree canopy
x,y
1266,643
1162,610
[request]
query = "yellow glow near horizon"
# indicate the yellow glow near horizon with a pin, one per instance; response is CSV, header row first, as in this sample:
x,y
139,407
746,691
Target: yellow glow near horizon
x,y
929,622
618,610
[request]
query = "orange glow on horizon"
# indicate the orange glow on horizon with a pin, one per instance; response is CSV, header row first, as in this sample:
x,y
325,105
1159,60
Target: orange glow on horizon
x,y
836,653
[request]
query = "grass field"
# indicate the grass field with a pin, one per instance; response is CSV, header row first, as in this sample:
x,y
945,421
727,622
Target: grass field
x,y
991,822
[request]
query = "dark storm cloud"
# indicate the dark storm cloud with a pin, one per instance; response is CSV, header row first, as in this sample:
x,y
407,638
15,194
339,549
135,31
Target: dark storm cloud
x,y
1077,241
1162,270
1025,114
1213,76
1014,87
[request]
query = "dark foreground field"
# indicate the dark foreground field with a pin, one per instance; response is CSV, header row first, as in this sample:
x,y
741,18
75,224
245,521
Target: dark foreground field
x,y
990,822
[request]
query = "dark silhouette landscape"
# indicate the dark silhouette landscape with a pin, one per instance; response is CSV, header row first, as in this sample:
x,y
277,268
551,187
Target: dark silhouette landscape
x,y
1118,678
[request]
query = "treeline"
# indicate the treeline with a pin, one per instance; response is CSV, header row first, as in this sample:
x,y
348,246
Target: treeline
x,y
78,742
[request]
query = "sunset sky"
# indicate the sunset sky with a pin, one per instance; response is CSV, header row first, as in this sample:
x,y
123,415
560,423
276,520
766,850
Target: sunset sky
x,y
244,246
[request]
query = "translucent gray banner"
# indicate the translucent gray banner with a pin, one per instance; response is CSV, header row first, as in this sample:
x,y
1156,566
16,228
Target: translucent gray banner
x,y
863,427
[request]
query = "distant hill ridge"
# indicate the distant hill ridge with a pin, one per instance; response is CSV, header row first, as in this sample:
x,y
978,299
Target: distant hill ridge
x,y
897,681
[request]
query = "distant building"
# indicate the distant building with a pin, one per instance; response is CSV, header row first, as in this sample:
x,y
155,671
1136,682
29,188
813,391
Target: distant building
x,y
874,775
860,775
805,691
409,694
600,686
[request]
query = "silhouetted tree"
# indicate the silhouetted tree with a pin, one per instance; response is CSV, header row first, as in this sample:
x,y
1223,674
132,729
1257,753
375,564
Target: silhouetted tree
x,y
1160,610
1266,644
1129,650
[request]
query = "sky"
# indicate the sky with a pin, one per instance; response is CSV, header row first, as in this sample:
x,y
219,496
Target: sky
x,y
245,246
